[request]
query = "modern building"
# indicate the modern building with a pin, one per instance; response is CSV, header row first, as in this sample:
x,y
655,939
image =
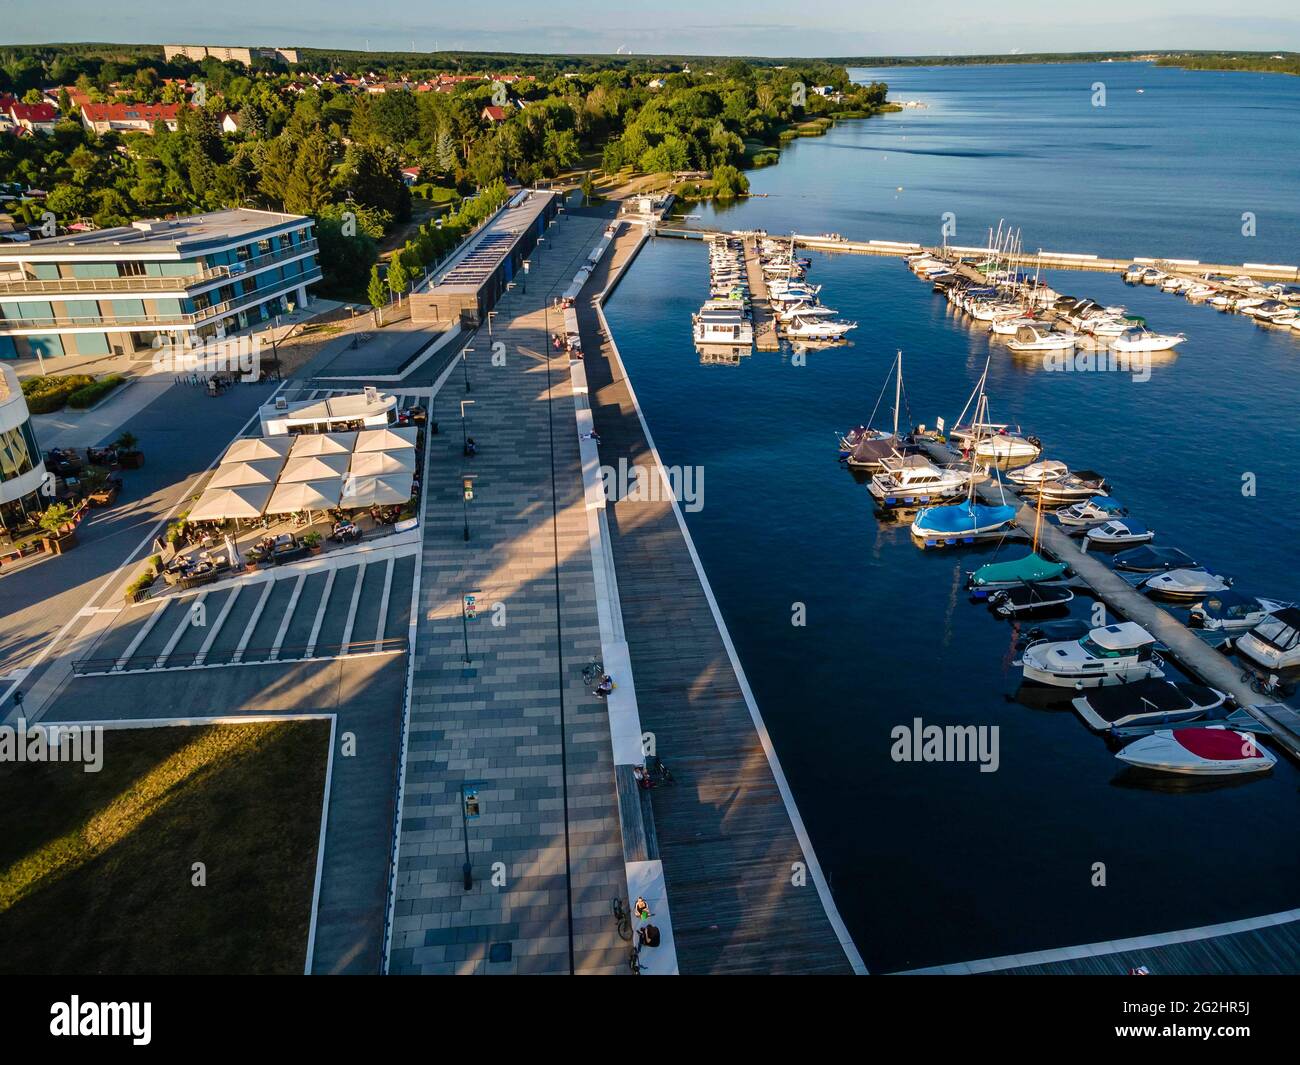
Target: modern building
x,y
128,118
115,291
469,283
22,471
200,52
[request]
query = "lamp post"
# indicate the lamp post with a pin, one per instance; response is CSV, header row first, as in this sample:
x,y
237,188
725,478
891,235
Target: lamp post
x,y
524,283
464,364
468,612
490,316
466,494
464,433
469,808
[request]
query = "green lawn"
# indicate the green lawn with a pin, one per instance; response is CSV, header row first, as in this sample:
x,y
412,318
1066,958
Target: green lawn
x,y
96,868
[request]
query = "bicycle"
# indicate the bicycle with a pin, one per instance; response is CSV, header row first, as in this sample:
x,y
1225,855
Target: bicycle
x,y
593,671
1269,685
634,961
624,921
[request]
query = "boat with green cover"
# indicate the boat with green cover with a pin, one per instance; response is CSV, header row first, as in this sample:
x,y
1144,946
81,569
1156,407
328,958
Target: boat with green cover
x,y
1031,569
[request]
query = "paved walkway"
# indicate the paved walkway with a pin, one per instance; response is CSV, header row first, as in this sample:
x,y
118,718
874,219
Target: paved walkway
x,y
523,730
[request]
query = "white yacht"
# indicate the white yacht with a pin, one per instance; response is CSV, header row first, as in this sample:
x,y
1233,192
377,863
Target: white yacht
x,y
1120,532
1145,340
1274,643
806,309
1039,473
1009,327
913,481
1039,338
1112,654
813,328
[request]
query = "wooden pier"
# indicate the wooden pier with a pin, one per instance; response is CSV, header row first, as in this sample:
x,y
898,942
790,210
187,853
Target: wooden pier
x,y
1193,654
765,335
1052,260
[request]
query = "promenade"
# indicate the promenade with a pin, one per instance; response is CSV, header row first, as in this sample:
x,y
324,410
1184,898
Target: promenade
x,y
522,733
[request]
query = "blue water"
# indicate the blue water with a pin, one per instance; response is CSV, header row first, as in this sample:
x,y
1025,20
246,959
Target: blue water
x,y
935,863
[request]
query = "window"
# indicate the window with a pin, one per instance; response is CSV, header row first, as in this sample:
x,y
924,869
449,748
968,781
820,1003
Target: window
x,y
18,452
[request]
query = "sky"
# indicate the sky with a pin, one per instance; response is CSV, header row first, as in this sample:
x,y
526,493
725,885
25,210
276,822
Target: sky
x,y
723,27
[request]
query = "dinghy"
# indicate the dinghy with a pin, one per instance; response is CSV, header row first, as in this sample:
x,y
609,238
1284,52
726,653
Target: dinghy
x,y
1146,702
1029,599
1185,583
1212,751
1092,511
1112,654
1231,611
1274,643
1123,532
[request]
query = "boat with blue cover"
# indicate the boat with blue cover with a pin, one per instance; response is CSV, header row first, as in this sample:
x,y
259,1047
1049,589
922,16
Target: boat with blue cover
x,y
961,521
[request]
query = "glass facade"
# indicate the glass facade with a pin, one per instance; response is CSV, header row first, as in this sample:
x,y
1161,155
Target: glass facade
x,y
18,452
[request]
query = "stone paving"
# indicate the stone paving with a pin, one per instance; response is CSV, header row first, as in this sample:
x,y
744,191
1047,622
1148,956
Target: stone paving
x,y
545,848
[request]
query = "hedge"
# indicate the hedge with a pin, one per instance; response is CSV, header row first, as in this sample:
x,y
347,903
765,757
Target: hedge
x,y
47,394
89,395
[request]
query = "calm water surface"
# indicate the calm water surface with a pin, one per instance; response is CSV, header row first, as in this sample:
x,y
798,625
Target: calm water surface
x,y
934,863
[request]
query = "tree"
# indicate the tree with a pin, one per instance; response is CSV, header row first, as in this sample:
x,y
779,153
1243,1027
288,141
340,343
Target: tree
x,y
55,518
372,177
308,189
279,156
588,188
399,279
377,293
445,153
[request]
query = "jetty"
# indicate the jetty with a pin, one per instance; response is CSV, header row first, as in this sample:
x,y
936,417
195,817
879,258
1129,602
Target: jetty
x,y
1057,260
765,335
1190,652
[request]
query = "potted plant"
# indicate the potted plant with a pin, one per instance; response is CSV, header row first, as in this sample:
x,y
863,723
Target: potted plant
x,y
313,541
60,532
129,455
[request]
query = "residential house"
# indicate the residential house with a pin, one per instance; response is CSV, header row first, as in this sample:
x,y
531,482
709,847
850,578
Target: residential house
x,y
34,118
128,118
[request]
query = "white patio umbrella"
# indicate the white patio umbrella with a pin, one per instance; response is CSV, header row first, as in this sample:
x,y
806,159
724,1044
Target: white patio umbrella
x,y
305,495
376,491
315,468
382,463
309,444
389,439
251,449
219,504
234,474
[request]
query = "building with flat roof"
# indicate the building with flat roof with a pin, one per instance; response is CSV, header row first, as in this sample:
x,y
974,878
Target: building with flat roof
x,y
116,291
200,52
22,470
469,283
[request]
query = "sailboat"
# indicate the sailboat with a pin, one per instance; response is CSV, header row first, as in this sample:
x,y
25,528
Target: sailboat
x,y
870,451
963,522
1029,572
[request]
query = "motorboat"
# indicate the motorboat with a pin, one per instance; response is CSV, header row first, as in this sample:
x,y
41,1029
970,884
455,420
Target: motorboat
x,y
1146,702
1006,444
1200,293
1032,569
808,328
1274,643
1111,654
1029,599
1153,560
958,521
1133,274
915,481
1092,511
1152,276
1037,474
1037,338
806,309
859,433
1072,488
1009,327
1230,611
1145,340
1120,532
1185,583
1213,751
1106,325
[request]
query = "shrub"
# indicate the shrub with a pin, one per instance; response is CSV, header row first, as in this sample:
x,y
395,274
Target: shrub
x,y
89,395
45,395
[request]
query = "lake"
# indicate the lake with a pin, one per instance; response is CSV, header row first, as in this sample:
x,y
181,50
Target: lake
x,y
938,862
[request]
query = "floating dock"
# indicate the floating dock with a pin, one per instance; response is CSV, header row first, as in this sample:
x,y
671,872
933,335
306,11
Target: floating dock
x,y
1192,654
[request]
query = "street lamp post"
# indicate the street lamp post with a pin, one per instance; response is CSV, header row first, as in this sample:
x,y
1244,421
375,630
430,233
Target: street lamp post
x,y
464,364
466,494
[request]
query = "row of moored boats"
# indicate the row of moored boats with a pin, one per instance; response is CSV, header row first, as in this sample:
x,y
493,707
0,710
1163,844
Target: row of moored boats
x,y
1269,304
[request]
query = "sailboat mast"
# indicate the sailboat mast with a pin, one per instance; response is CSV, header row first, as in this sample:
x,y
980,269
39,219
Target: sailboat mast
x,y
898,395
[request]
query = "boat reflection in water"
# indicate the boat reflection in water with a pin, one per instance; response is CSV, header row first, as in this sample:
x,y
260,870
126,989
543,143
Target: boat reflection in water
x,y
722,354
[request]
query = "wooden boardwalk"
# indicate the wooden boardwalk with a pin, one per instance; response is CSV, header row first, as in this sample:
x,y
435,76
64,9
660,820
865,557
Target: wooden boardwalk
x,y
765,336
1260,946
732,856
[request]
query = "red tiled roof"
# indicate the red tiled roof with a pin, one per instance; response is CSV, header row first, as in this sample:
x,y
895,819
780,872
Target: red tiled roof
x,y
34,112
131,112
496,114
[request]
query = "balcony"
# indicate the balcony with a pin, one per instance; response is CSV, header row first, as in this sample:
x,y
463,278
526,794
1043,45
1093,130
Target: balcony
x,y
55,323
72,286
